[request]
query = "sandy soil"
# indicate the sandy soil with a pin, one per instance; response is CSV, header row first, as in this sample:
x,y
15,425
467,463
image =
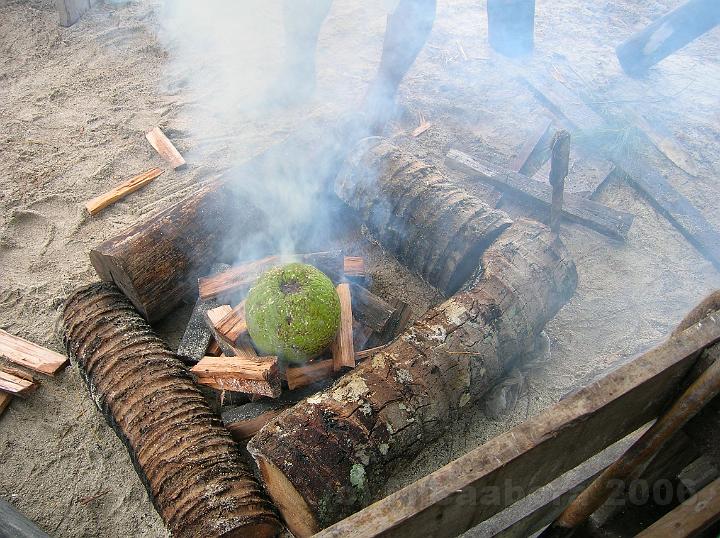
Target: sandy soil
x,y
74,104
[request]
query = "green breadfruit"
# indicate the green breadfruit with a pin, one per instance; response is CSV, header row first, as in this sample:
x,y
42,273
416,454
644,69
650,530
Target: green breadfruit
x,y
293,312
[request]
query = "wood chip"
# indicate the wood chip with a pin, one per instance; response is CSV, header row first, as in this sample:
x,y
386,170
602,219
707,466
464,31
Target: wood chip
x,y
165,148
29,355
99,203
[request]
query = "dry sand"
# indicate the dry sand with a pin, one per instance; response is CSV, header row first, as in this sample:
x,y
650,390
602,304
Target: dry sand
x,y
74,104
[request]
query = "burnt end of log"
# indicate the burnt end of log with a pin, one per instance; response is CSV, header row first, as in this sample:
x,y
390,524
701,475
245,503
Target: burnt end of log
x,y
432,225
328,456
186,459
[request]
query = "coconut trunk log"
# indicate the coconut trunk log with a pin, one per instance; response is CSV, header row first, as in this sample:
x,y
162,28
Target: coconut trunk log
x,y
435,227
186,459
328,456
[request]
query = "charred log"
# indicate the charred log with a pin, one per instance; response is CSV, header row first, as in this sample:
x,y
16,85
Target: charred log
x,y
327,457
432,225
187,460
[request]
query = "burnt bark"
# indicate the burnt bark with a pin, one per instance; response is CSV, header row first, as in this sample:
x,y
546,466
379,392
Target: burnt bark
x,y
187,460
432,225
327,457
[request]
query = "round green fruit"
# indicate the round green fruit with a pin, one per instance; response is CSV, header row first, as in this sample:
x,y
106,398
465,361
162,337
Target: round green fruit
x,y
293,312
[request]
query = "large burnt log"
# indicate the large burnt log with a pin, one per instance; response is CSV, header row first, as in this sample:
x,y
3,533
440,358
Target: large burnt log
x,y
187,460
327,456
434,226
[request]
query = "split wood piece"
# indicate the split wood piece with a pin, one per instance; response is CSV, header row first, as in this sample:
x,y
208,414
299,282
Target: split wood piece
x,y
165,148
197,340
187,460
361,335
246,420
233,324
99,203
431,224
70,11
312,372
366,353
538,450
343,352
156,263
369,309
677,209
238,279
535,152
405,396
667,35
29,355
610,222
14,384
214,317
355,271
5,400
240,374
395,326
691,518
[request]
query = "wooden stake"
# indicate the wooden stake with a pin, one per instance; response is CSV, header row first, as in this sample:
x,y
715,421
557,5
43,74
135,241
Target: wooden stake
x,y
165,148
559,166
99,203
29,355
14,384
342,350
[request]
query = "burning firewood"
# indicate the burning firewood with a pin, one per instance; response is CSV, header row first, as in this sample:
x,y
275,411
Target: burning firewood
x,y
307,374
390,405
342,351
188,462
247,374
165,148
240,278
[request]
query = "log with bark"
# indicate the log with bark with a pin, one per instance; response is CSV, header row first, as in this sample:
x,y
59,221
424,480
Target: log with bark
x,y
329,455
187,460
433,226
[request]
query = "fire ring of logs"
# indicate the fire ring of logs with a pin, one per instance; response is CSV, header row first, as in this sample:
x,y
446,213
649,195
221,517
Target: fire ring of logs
x,y
328,455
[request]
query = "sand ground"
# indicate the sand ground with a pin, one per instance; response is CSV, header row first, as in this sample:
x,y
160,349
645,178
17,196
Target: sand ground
x,y
74,104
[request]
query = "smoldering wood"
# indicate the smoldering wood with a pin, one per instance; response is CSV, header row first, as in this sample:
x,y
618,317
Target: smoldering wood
x,y
309,374
535,152
238,279
675,207
352,435
605,220
435,227
667,35
14,524
187,460
538,450
196,340
157,261
395,326
369,309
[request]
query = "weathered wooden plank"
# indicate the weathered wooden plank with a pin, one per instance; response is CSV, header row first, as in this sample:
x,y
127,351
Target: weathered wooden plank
x,y
535,152
450,500
15,525
677,209
29,355
607,221
691,517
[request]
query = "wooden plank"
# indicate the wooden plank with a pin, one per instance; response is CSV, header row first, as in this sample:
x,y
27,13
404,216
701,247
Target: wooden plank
x,y
690,518
607,221
165,148
535,152
312,372
99,203
450,500
14,384
29,355
14,524
70,11
343,352
677,209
